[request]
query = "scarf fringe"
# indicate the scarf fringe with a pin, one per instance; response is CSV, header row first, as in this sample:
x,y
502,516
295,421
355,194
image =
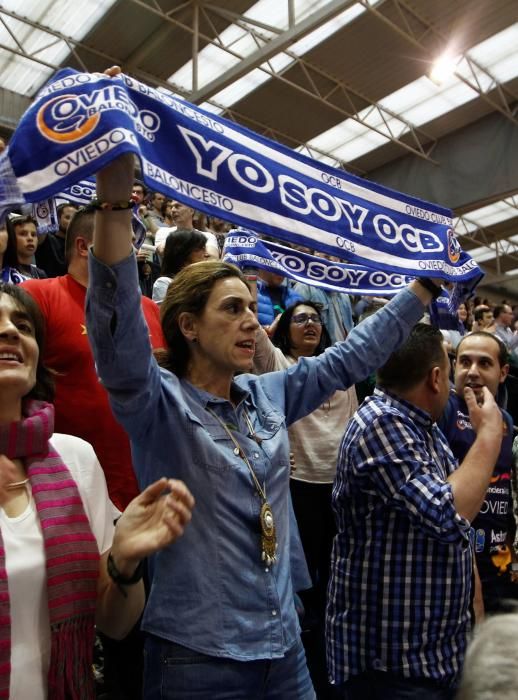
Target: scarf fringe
x,y
72,677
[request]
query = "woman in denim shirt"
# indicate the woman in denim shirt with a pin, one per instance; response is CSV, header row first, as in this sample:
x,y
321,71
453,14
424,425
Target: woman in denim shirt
x,y
220,619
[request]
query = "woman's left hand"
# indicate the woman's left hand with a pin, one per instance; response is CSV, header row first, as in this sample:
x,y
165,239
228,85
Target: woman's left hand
x,y
153,520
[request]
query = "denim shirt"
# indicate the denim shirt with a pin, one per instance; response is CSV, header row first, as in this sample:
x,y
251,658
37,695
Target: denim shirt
x,y
210,591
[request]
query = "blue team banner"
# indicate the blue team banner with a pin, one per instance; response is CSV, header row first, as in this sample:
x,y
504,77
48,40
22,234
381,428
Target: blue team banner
x,y
80,194
44,212
244,249
80,122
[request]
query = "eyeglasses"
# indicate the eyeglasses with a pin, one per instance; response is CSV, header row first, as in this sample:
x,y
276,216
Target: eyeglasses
x,y
303,319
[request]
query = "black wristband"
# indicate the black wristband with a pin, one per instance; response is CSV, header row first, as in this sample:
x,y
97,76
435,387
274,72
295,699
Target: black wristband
x,y
121,580
427,283
122,205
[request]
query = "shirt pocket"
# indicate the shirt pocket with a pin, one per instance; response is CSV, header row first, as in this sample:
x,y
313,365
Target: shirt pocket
x,y
270,429
211,445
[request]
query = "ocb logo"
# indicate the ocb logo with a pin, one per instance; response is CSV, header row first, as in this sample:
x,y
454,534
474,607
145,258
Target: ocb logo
x,y
454,249
64,119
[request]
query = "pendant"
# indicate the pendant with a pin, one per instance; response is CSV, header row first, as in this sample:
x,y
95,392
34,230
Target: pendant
x,y
268,536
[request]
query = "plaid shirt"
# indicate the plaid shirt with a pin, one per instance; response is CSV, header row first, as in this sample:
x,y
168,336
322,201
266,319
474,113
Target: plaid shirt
x,y
401,570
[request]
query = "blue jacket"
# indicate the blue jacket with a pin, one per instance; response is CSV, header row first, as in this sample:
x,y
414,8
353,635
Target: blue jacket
x,y
265,311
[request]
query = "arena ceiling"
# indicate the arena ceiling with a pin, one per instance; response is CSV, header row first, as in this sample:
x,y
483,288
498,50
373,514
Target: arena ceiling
x,y
345,81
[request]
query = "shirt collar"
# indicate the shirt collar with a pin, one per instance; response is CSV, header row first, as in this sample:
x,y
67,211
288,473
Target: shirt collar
x,y
421,417
206,398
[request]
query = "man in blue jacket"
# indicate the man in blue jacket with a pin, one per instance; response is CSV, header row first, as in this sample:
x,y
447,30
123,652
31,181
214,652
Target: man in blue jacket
x,y
274,295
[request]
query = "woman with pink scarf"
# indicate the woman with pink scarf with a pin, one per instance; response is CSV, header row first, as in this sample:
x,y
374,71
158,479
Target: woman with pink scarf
x,y
64,566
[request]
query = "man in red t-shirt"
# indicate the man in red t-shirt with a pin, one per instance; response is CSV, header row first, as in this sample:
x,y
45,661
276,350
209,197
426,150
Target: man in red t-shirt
x,y
82,406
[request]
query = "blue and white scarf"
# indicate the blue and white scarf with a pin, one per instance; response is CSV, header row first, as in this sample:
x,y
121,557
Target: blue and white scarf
x,y
80,194
45,212
79,122
10,275
245,249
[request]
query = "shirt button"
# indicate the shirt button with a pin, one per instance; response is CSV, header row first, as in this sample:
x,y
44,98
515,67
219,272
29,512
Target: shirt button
x,y
274,613
108,285
267,569
256,455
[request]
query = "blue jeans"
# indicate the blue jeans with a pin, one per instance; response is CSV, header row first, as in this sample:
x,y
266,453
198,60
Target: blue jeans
x,y
380,685
174,672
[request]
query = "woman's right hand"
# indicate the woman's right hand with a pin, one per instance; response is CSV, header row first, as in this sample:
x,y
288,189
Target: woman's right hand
x,y
153,520
115,180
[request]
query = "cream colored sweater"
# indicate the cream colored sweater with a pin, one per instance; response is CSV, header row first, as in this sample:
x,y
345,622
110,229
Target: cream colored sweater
x,y
315,439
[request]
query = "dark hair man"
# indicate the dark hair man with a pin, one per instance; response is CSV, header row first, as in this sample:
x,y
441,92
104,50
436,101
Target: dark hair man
x,y
483,317
503,314
154,208
139,192
398,613
50,253
481,361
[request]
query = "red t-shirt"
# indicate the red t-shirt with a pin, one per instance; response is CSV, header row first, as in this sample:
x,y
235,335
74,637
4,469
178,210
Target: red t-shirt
x,y
82,405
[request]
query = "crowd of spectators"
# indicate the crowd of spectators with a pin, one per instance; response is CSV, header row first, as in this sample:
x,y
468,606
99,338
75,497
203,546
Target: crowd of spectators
x,y
398,506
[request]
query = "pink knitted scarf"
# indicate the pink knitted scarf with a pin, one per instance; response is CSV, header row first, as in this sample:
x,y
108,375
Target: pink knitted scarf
x,y
71,554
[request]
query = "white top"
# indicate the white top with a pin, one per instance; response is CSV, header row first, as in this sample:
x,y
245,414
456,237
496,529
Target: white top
x,y
26,567
163,232
160,287
314,439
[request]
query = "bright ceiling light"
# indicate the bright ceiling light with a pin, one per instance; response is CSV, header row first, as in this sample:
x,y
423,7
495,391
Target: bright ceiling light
x,y
443,68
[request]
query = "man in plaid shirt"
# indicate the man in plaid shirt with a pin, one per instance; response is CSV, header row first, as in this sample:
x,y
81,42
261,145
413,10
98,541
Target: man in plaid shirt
x,y
399,607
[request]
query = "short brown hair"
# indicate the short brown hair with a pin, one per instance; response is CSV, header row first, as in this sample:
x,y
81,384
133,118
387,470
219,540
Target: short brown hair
x,y
189,292
81,224
410,364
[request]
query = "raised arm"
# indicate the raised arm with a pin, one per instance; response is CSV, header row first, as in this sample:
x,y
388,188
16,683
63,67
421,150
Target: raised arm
x,y
113,234
387,455
367,347
267,357
117,331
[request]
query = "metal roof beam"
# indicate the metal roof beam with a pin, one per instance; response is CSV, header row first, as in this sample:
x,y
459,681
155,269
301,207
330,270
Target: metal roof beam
x,y
420,143
272,48
12,106
472,172
500,98
417,141
484,236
